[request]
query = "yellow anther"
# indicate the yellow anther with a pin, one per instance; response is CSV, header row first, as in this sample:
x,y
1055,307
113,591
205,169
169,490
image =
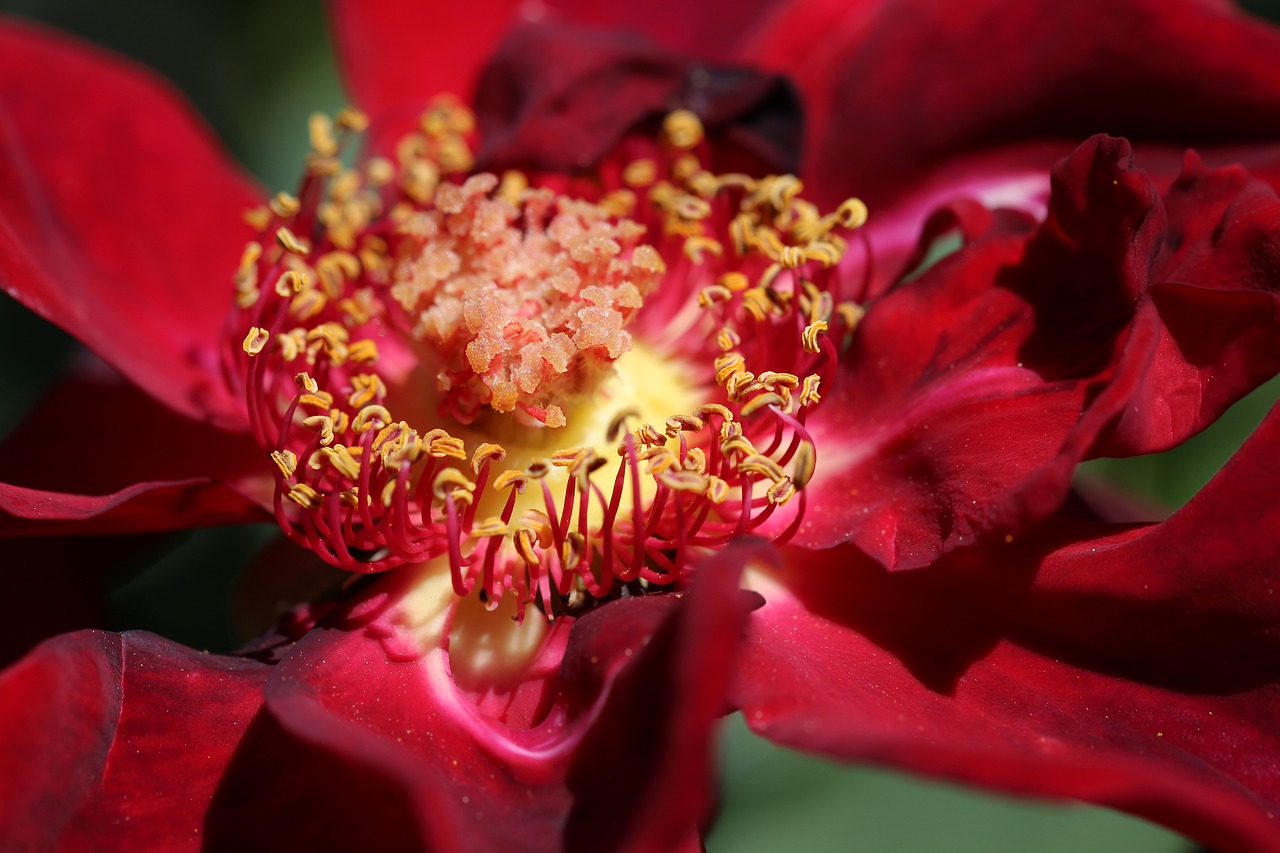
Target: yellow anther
x,y
698,246
692,208
851,213
320,400
682,423
380,171
742,233
509,478
352,119
573,549
771,380
249,261
491,526
440,445
363,352
291,242
304,496
289,283
579,460
286,461
335,269
258,218
713,294
791,257
809,337
351,497
696,460
661,460
306,383
707,409
451,481
805,463
523,539
727,366
809,391
370,417
851,314
365,388
388,495
826,253
717,490
781,492
455,155
322,424
685,167
487,453
729,430
539,468
759,401
684,481
320,130
737,444
682,129
640,173
647,435
284,205
757,303
340,457
741,384
619,203
307,304
761,466
340,420
256,340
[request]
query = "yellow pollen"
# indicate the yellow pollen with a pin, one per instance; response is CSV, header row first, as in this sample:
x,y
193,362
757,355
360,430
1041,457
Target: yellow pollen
x,y
256,340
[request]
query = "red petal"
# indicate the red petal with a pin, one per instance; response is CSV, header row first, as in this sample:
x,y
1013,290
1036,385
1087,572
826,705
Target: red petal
x,y
896,87
967,396
558,98
116,742
121,221
627,720
401,53
98,452
1131,667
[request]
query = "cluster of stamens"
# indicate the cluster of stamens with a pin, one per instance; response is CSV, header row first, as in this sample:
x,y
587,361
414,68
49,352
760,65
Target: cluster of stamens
x,y
494,313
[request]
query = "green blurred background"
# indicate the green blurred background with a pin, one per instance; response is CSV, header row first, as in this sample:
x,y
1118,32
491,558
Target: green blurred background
x,y
256,70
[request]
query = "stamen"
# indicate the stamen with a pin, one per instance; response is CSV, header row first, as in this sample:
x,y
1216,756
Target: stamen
x,y
429,317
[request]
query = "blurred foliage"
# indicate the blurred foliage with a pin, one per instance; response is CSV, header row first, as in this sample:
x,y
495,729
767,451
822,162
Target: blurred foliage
x,y
256,70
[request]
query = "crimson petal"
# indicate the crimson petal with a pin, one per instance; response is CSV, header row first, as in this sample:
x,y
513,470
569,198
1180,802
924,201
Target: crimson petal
x,y
895,88
640,685
968,395
116,741
400,53
1128,666
98,453
121,218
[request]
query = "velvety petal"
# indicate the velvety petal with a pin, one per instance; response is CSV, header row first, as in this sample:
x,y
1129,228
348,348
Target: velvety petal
x,y
533,764
121,218
1217,296
559,97
897,87
98,452
116,741
401,53
968,395
1134,667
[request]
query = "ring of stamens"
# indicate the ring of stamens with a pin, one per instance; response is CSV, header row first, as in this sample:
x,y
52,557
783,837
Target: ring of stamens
x,y
402,253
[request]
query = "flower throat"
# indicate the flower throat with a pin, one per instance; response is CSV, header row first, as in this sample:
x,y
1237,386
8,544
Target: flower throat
x,y
569,390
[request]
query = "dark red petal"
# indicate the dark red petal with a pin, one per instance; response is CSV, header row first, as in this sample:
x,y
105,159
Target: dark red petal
x,y
627,720
557,97
968,395
98,450
1129,666
399,53
116,742
896,87
121,218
